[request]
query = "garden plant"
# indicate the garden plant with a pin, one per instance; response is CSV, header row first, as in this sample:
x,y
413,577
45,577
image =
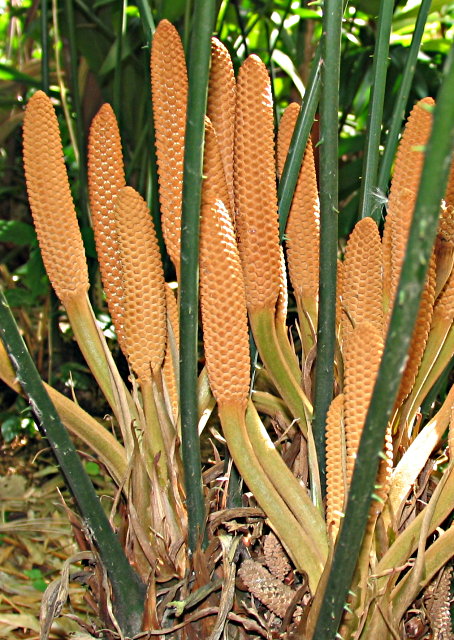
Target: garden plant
x,y
324,507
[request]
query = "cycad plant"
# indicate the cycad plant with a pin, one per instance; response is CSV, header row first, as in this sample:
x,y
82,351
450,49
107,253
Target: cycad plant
x,y
342,523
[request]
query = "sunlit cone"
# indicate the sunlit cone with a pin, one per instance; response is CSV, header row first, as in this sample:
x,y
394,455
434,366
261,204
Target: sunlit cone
x,y
339,293
255,185
169,88
221,108
169,366
446,227
223,303
405,184
51,203
303,225
144,286
444,307
383,481
363,347
420,333
105,178
213,170
335,465
362,297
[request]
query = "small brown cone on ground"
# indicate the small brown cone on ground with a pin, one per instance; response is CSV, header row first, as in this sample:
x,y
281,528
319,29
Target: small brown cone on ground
x,y
51,203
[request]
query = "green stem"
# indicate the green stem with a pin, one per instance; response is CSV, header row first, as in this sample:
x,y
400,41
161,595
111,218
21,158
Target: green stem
x,y
326,331
263,328
414,269
281,518
128,590
199,61
287,485
375,117
402,97
44,47
146,17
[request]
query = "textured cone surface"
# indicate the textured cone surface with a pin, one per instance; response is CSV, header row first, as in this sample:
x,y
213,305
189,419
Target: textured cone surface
x,y
335,463
303,225
255,185
339,292
169,88
275,557
224,315
363,348
105,178
50,200
362,298
384,474
168,369
213,169
144,286
405,184
420,332
445,303
438,604
282,301
269,590
446,227
221,108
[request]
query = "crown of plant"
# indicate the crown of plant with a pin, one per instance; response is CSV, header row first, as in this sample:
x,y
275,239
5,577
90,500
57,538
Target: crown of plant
x,y
105,178
255,185
51,203
144,318
221,108
223,303
169,88
303,224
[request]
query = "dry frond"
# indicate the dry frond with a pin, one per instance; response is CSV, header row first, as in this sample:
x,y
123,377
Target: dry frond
x,y
363,347
255,185
169,88
145,299
405,184
275,557
223,303
335,465
213,169
221,108
270,591
420,333
362,298
303,225
105,178
438,604
51,203
451,436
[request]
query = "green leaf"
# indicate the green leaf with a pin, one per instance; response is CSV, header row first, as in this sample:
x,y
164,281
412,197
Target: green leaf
x,y
36,578
18,233
92,468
